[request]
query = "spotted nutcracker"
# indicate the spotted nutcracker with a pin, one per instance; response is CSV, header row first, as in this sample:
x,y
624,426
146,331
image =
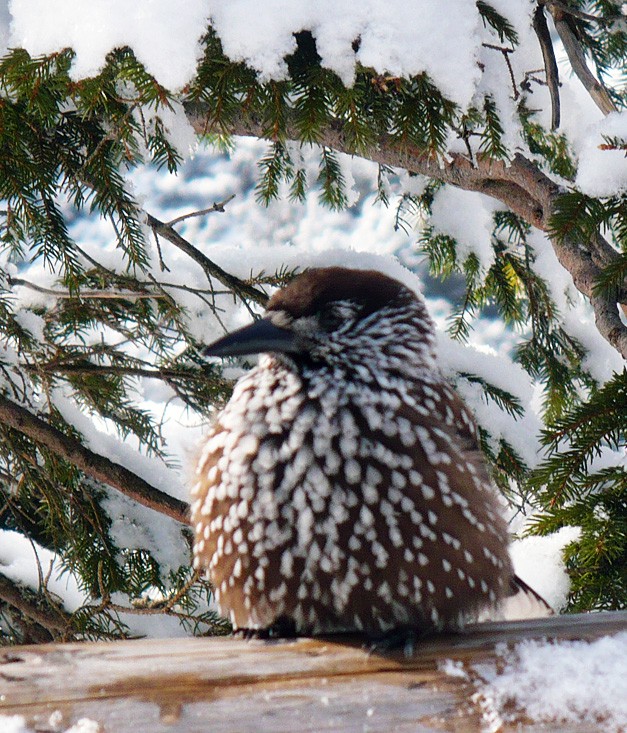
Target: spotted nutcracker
x,y
341,489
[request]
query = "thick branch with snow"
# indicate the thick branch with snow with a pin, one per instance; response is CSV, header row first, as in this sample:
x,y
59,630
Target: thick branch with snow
x,y
92,464
520,184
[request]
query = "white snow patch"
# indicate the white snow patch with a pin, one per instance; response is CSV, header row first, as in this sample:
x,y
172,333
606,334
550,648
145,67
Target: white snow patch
x,y
85,725
538,561
568,682
603,172
164,35
467,217
14,724
521,432
97,439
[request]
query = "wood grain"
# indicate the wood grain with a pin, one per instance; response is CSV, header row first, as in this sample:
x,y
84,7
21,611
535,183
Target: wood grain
x,y
224,684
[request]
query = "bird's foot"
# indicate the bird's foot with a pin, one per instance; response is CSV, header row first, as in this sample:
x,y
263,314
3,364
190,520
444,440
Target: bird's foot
x,y
398,639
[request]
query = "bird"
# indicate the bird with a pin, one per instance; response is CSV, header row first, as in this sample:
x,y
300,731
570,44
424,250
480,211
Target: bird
x,y
341,489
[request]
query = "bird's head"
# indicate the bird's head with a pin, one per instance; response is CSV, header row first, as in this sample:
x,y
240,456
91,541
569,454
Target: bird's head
x,y
336,316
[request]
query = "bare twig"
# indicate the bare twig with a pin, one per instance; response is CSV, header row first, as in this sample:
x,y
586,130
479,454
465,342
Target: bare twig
x,y
162,265
82,294
218,206
577,59
200,292
506,52
550,64
239,287
92,464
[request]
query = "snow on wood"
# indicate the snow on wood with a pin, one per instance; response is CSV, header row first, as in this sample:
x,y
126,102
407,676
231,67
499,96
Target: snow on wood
x,y
223,684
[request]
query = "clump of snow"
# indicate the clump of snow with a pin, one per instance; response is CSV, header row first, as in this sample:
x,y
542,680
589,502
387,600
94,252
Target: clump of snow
x,y
178,130
164,35
98,439
603,171
467,217
85,725
530,553
453,669
28,563
567,682
396,37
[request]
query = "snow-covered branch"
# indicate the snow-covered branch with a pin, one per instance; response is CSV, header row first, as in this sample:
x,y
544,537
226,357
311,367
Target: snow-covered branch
x,y
237,286
93,465
44,624
519,183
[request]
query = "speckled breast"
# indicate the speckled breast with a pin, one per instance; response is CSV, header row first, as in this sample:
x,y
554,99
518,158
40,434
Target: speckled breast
x,y
346,507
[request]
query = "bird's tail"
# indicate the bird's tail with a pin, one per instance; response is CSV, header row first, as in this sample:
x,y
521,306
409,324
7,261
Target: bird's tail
x,y
523,602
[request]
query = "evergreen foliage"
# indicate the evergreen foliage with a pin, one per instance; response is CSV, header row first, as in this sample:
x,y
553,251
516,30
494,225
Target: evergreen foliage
x,y
68,145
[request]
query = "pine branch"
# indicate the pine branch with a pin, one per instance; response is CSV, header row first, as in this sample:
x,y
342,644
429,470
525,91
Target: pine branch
x,y
83,294
53,619
239,287
84,367
577,59
92,464
518,183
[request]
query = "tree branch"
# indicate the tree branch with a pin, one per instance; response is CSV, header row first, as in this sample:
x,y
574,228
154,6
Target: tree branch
x,y
577,60
218,206
53,619
550,64
82,294
519,184
573,11
234,284
92,464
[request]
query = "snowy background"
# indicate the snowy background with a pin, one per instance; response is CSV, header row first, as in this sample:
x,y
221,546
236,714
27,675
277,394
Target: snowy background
x,y
397,37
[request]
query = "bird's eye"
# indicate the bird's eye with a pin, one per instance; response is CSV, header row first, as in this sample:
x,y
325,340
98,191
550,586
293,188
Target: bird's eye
x,y
328,319
336,315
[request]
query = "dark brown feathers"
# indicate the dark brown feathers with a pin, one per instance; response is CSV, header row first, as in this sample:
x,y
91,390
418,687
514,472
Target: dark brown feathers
x,y
342,489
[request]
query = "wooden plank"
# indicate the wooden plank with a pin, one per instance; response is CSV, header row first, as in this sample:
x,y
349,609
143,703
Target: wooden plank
x,y
223,684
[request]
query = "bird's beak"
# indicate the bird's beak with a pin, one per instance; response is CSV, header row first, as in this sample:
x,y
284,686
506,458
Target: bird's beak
x,y
260,336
